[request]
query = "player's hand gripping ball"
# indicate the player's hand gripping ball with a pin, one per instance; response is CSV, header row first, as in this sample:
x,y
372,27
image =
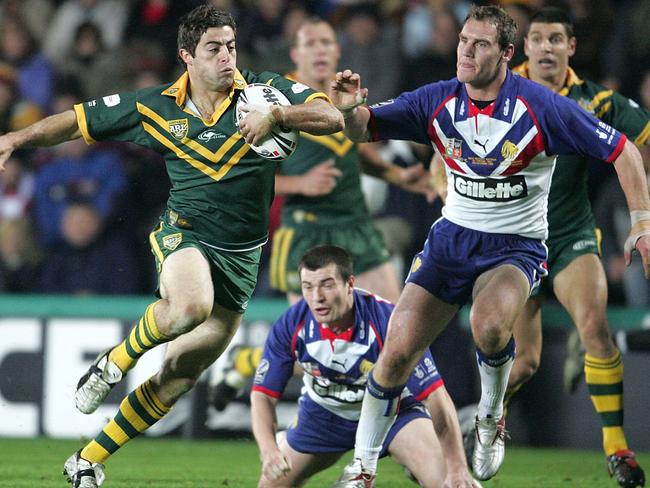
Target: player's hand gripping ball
x,y
281,142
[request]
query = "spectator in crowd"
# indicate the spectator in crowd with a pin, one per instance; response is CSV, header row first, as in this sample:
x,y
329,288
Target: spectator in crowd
x,y
34,73
16,190
91,259
36,15
262,28
98,71
19,256
156,22
109,15
15,113
438,61
371,48
77,172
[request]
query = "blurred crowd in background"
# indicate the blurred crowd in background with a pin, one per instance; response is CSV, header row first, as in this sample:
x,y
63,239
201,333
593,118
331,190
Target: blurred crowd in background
x,y
76,218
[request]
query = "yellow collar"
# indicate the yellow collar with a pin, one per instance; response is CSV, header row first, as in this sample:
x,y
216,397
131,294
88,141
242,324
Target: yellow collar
x,y
571,77
179,92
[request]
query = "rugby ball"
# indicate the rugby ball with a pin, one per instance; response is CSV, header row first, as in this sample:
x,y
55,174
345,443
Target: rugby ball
x,y
280,143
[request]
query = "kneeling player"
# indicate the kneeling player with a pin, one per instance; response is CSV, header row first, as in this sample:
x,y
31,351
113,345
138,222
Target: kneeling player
x,y
335,334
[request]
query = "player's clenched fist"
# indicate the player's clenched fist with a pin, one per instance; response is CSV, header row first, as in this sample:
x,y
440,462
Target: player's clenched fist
x,y
275,466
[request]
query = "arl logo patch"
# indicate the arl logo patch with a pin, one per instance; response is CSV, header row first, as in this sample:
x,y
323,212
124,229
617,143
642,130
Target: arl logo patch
x,y
172,241
454,148
509,150
178,128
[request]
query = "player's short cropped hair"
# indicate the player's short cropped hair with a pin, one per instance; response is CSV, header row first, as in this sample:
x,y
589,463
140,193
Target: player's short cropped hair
x,y
499,18
553,15
196,22
311,20
320,256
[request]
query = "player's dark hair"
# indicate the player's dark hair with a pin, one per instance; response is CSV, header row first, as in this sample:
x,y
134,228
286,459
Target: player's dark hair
x,y
196,22
320,256
554,15
499,18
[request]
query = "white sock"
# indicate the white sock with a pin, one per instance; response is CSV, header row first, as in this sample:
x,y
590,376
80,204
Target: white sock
x,y
494,371
621,341
377,416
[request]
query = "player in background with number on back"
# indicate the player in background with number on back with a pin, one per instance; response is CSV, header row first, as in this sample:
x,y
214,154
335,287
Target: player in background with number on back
x,y
324,202
334,335
207,244
499,135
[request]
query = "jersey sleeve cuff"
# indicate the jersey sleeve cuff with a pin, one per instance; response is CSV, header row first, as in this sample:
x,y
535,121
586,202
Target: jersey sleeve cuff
x,y
313,96
617,150
430,389
83,123
266,391
372,127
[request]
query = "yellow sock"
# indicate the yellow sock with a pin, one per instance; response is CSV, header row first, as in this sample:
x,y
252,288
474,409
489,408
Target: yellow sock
x,y
247,360
510,392
604,379
138,411
143,336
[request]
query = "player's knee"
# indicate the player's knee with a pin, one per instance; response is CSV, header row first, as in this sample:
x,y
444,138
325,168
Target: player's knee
x,y
489,333
186,316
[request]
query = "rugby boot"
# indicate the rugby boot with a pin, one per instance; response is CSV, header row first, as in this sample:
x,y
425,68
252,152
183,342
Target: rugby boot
x,y
230,385
489,449
355,476
95,385
622,466
83,474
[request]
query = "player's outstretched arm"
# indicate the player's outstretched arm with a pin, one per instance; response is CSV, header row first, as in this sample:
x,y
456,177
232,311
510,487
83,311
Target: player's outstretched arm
x,y
316,117
348,96
631,175
445,423
46,132
264,423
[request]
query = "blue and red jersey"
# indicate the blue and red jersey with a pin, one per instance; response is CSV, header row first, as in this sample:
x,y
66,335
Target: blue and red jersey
x,y
500,158
335,366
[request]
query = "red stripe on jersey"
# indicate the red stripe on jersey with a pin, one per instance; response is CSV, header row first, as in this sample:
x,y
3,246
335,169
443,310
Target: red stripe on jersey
x,y
266,391
618,149
433,387
294,340
372,125
532,149
381,344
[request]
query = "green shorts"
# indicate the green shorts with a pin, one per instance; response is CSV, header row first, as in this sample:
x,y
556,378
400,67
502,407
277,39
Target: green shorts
x,y
562,251
361,240
234,274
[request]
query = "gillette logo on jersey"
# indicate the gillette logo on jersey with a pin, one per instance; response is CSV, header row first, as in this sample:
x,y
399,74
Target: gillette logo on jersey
x,y
499,159
504,190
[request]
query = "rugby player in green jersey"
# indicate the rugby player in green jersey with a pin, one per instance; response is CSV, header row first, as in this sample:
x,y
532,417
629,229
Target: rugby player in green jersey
x,y
207,244
576,274
324,204
322,182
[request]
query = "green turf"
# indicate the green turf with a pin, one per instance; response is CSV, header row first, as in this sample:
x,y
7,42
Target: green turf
x,y
169,463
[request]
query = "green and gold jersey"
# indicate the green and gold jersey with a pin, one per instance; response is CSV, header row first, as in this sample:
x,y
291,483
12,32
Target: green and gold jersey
x,y
221,189
568,207
345,203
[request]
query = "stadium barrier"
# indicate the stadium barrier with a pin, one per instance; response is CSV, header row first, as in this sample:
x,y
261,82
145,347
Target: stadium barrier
x,y
47,342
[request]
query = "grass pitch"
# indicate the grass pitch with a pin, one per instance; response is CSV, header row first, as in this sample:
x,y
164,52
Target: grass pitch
x,y
171,463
